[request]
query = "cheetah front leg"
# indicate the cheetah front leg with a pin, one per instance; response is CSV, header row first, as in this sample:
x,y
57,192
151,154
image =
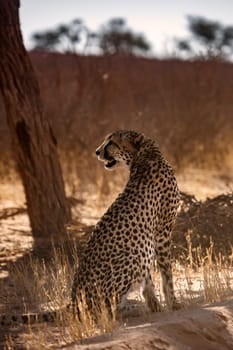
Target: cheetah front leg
x,y
163,256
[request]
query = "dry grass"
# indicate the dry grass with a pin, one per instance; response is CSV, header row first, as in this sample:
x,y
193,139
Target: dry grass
x,y
186,106
208,278
36,287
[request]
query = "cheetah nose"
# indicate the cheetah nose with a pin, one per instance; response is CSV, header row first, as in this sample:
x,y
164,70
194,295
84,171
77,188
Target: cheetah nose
x,y
97,152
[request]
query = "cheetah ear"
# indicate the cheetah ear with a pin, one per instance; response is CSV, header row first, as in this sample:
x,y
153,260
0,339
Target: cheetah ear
x,y
139,139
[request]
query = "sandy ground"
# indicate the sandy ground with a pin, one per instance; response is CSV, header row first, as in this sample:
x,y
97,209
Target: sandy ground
x,y
206,328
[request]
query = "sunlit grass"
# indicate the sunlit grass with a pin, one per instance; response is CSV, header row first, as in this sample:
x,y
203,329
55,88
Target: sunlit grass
x,y
38,286
205,277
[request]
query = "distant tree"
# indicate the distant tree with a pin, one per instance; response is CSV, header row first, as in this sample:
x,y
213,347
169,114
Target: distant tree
x,y
64,38
116,38
33,141
208,38
112,38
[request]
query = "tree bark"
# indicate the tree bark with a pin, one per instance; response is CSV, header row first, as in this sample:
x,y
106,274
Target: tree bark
x,y
33,141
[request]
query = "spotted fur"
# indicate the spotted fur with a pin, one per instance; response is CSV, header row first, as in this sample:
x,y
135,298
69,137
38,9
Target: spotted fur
x,y
135,229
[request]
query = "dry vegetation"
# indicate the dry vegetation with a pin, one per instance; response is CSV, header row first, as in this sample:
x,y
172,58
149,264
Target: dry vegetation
x,y
37,286
188,107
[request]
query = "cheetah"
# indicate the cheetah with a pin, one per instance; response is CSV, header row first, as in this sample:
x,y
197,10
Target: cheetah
x,y
135,229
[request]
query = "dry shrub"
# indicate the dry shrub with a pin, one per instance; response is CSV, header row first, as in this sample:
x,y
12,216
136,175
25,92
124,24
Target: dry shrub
x,y
200,220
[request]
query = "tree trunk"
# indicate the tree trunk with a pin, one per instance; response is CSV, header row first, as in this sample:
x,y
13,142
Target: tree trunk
x,y
33,142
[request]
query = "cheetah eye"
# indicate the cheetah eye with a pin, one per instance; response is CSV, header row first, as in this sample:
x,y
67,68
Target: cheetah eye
x,y
112,143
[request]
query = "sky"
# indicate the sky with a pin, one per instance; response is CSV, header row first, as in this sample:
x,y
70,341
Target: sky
x,y
159,20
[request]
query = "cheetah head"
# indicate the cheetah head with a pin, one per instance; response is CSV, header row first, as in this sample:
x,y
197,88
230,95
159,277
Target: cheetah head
x,y
119,148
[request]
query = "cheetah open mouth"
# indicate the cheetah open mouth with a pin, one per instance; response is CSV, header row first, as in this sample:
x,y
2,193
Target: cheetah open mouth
x,y
110,163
